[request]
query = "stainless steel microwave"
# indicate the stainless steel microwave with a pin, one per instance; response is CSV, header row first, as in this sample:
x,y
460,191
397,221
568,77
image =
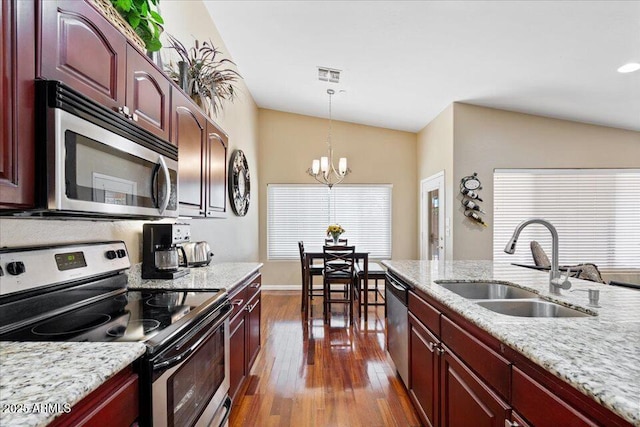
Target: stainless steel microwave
x,y
96,163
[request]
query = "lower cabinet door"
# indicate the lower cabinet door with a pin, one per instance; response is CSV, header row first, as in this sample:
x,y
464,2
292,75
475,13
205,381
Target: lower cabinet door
x,y
238,362
465,400
528,396
424,385
253,329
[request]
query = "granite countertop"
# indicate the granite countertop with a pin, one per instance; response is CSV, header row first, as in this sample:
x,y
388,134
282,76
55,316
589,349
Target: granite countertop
x,y
40,381
226,275
599,355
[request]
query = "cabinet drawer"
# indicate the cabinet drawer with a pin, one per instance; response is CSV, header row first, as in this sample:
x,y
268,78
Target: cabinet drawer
x,y
528,396
425,312
115,403
492,367
254,287
238,300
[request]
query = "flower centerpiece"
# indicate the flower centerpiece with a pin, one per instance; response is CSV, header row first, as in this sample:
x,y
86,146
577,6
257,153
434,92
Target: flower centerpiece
x,y
335,230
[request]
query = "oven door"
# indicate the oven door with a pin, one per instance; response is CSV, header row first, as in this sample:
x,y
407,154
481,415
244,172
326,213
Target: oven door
x,y
191,379
98,171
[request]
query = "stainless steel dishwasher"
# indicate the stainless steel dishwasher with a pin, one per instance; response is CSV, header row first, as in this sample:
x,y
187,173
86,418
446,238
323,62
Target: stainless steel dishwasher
x,y
396,295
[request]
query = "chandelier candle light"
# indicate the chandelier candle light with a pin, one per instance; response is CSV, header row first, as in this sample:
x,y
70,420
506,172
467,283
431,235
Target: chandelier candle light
x,y
323,170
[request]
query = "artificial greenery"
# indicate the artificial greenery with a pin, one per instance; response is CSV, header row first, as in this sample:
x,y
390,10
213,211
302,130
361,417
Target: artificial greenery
x,y
145,21
209,80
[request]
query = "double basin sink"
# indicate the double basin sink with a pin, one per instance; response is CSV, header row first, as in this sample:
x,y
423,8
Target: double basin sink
x,y
509,300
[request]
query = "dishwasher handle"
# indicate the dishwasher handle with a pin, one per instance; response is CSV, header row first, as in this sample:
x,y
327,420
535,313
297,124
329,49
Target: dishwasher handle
x,y
398,289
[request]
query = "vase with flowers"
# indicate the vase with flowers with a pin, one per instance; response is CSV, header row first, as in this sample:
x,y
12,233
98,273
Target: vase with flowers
x,y
334,231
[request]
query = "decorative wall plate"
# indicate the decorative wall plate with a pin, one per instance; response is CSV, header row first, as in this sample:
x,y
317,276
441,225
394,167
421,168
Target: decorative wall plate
x,y
239,183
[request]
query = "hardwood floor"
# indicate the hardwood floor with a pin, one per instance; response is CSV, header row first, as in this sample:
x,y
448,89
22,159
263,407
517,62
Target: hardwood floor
x,y
311,374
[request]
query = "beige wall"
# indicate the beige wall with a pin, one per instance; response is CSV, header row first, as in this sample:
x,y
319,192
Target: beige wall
x,y
233,238
288,143
435,154
486,139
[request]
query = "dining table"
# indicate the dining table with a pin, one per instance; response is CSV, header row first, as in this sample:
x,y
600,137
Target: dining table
x,y
314,253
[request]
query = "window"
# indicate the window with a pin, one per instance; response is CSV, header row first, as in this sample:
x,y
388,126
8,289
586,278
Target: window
x,y
303,212
594,210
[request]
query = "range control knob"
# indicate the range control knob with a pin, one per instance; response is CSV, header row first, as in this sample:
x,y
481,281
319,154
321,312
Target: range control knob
x,y
110,254
121,253
15,268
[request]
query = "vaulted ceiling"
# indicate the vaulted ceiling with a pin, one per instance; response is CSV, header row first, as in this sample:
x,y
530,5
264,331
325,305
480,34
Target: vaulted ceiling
x,y
403,62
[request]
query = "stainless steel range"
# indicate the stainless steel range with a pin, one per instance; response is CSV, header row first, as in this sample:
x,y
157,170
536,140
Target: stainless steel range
x,y
78,293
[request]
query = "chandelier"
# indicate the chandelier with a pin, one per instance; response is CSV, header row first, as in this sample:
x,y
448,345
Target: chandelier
x,y
323,170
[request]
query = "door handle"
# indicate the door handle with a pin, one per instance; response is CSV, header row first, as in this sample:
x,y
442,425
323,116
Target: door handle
x,y
167,187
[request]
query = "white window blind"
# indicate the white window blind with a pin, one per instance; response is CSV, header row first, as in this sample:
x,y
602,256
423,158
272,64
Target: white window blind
x,y
303,212
594,210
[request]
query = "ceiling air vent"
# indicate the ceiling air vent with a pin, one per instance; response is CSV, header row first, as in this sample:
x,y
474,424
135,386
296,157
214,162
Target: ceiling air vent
x,y
328,75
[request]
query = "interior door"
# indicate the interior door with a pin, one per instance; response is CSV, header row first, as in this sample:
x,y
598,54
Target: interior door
x,y
432,218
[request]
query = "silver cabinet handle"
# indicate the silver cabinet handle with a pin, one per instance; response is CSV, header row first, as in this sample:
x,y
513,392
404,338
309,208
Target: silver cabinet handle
x,y
434,348
167,187
508,423
237,302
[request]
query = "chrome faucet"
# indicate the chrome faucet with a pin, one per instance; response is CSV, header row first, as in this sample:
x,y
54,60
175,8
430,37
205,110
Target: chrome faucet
x,y
556,281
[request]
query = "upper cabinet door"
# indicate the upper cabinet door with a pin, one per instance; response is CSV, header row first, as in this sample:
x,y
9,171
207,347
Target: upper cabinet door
x,y
216,170
147,94
17,73
80,48
189,127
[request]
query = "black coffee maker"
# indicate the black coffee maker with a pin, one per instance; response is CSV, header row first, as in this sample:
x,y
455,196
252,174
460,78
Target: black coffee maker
x,y
160,246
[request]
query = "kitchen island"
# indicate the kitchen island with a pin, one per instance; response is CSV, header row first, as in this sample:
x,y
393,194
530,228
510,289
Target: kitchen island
x,y
598,355
40,381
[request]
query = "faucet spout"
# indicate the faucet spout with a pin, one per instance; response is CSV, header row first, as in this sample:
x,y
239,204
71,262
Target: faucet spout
x,y
555,281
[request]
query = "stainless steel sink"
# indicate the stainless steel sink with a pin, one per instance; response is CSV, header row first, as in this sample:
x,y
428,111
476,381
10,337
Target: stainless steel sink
x,y
531,308
486,290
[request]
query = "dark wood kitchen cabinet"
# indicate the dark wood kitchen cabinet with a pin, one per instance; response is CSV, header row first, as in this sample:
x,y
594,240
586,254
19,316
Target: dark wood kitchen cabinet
x,y
188,129
17,91
528,396
444,389
202,159
114,403
148,94
424,360
216,177
244,332
466,399
82,49
461,375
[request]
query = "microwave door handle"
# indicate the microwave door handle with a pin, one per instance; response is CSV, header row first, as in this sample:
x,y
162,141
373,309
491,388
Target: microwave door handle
x,y
167,187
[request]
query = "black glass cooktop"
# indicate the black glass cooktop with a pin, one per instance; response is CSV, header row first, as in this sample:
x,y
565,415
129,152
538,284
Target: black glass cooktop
x,y
135,316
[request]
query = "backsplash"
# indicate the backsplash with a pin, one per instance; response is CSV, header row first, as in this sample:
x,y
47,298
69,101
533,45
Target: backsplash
x,y
26,232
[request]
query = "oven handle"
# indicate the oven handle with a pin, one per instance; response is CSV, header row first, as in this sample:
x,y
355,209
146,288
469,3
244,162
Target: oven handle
x,y
167,188
227,412
172,361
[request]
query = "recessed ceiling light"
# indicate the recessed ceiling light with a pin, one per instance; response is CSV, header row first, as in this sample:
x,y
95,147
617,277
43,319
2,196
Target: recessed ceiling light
x,y
629,68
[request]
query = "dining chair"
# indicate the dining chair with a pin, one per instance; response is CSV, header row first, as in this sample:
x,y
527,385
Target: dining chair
x,y
338,269
376,273
314,270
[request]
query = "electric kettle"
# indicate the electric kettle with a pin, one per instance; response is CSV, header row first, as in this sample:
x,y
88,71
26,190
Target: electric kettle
x,y
197,253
